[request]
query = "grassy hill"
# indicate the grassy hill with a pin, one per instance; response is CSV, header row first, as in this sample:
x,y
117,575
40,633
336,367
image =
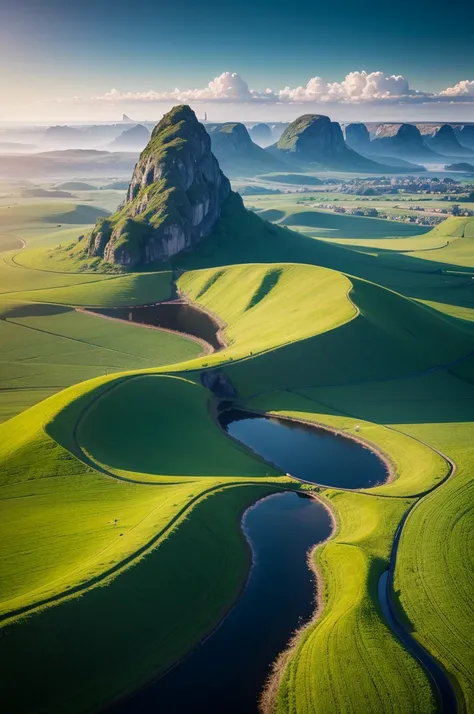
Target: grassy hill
x,y
125,467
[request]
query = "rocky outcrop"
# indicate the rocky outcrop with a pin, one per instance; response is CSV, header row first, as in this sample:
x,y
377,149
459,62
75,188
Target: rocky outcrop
x,y
218,383
408,143
174,198
313,136
262,134
237,153
444,141
357,136
466,135
316,140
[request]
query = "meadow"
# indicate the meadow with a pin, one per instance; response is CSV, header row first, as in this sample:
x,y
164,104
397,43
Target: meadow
x,y
110,447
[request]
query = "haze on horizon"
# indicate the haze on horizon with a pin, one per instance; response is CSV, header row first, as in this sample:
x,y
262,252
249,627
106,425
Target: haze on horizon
x,y
93,61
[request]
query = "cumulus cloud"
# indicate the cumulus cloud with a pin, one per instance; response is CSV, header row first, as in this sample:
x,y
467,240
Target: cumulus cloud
x,y
227,87
356,87
465,89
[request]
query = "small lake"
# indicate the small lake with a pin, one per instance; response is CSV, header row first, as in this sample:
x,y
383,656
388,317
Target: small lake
x,y
178,316
305,451
227,672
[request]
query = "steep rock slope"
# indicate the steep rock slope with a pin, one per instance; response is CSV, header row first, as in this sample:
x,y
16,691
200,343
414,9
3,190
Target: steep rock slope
x,y
407,143
315,139
444,141
262,134
174,198
237,153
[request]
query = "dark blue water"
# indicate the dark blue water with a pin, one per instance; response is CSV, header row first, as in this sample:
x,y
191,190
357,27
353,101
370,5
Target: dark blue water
x,y
179,316
226,673
305,451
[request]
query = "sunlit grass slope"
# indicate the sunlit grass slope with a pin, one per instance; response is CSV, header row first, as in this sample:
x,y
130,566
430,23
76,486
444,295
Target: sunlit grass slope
x,y
348,660
264,306
168,488
243,238
44,348
45,486
104,291
390,337
434,564
114,638
160,426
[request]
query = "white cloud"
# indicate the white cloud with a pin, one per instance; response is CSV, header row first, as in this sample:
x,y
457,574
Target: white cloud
x,y
356,88
465,89
228,87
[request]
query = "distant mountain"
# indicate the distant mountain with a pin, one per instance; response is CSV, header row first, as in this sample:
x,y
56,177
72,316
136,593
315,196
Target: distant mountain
x,y
444,141
75,186
133,139
463,166
406,143
261,134
296,179
115,186
278,128
173,201
313,139
70,162
236,152
63,136
357,136
44,193
126,119
465,135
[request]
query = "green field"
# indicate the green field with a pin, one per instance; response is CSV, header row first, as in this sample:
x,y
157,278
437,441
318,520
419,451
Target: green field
x,y
121,497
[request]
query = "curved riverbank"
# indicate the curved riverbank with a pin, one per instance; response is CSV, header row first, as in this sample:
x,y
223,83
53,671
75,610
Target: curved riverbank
x,y
228,670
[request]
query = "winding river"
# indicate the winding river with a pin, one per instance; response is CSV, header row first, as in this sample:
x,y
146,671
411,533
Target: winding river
x,y
227,672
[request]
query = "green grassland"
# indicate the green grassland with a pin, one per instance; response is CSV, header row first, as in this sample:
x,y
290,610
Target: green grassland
x,y
130,474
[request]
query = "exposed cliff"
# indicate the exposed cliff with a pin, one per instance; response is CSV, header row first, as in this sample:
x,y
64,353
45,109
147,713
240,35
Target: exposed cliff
x,y
315,139
408,143
237,153
445,142
357,136
262,134
174,198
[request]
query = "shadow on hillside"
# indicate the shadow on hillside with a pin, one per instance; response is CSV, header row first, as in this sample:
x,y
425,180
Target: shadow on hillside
x,y
242,237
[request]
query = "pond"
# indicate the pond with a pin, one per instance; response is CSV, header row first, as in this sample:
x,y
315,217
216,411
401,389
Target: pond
x,y
305,451
179,316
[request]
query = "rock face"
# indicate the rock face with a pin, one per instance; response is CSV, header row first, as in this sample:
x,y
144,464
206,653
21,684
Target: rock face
x,y
315,139
262,134
135,138
174,198
466,135
237,153
408,142
357,136
313,136
445,142
230,139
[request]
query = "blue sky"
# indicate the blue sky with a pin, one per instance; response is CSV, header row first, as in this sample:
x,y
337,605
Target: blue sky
x,y
51,50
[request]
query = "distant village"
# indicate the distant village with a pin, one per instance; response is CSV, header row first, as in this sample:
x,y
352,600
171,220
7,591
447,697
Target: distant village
x,y
446,189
